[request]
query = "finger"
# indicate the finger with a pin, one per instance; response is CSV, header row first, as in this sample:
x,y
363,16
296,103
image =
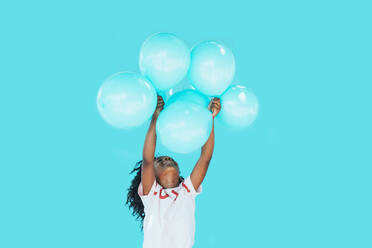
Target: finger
x,y
210,105
214,104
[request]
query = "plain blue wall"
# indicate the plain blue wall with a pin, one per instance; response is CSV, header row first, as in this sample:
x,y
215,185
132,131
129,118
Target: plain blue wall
x,y
300,176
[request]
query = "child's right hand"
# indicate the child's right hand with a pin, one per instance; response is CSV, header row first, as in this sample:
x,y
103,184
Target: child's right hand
x,y
159,106
215,106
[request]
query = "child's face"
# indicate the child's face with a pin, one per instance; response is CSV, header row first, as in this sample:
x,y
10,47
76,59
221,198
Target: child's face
x,y
166,172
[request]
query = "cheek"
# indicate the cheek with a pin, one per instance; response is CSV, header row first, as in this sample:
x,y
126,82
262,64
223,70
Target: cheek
x,y
158,175
158,170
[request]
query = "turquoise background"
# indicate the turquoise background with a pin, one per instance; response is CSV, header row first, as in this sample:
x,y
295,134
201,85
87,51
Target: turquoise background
x,y
300,176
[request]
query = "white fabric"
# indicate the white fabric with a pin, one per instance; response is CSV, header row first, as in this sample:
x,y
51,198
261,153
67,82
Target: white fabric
x,y
169,218
170,193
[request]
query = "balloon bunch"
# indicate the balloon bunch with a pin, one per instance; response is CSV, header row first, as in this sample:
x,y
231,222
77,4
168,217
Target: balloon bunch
x,y
128,99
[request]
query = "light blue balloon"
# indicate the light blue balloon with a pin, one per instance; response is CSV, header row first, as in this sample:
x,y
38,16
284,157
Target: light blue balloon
x,y
189,96
165,60
126,99
212,68
184,127
183,85
239,107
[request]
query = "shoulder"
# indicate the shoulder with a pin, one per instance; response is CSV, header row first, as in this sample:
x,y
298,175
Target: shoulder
x,y
189,187
153,191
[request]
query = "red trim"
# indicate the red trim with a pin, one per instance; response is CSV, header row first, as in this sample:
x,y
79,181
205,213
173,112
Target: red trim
x,y
163,196
174,192
155,193
184,185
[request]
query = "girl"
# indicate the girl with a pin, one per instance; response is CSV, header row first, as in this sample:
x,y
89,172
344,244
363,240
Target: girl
x,y
161,198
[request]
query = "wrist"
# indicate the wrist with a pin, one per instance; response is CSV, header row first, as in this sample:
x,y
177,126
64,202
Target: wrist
x,y
155,116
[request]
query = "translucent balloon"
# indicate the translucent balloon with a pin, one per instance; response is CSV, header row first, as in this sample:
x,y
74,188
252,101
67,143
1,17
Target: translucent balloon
x,y
184,127
212,68
239,107
165,60
189,96
183,85
126,100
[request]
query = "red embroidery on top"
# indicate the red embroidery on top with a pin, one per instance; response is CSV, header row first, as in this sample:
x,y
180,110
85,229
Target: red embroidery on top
x,y
174,192
163,196
184,185
155,193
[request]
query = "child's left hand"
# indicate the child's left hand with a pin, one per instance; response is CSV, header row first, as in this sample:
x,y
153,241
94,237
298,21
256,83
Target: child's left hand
x,y
215,106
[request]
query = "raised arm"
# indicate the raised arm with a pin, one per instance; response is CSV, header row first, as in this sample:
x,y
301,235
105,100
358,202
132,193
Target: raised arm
x,y
148,153
200,169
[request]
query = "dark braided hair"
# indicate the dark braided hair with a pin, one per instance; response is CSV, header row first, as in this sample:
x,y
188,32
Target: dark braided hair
x,y
134,201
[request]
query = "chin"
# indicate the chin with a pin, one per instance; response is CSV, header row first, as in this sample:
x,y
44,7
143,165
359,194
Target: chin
x,y
169,185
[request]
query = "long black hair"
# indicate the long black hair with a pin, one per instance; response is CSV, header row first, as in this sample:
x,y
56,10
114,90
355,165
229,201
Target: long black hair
x,y
134,201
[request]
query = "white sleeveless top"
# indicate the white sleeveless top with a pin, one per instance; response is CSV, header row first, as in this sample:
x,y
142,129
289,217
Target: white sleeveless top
x,y
169,215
